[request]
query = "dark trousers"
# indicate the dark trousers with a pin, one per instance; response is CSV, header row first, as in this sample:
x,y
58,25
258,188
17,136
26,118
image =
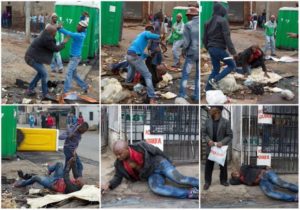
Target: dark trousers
x,y
209,167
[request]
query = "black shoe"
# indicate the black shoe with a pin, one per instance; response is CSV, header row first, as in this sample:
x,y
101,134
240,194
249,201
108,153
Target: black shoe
x,y
225,184
214,84
206,186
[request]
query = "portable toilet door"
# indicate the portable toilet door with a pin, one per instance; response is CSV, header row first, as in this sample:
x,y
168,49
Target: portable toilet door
x,y
9,131
111,22
287,23
69,14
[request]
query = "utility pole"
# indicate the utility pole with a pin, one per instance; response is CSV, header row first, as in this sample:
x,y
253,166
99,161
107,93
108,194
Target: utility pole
x,y
267,11
27,21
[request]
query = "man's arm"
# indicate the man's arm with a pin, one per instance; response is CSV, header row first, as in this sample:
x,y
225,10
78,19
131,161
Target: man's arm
x,y
226,35
205,133
69,33
51,45
228,135
152,36
186,38
181,30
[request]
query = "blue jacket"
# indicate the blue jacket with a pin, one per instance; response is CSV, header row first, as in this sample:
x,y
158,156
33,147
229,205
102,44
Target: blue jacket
x,y
72,138
77,43
191,38
140,43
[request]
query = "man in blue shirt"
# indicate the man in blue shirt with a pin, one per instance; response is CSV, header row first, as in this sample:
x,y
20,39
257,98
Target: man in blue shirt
x,y
136,56
75,56
72,138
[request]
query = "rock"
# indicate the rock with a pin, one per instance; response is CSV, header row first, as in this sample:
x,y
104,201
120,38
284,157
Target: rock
x,y
228,84
287,94
112,91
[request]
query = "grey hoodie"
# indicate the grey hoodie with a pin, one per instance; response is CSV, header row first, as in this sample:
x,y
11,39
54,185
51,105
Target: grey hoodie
x,y
217,31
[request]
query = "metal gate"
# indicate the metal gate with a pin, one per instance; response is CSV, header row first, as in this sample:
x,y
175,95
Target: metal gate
x,y
279,138
179,125
104,128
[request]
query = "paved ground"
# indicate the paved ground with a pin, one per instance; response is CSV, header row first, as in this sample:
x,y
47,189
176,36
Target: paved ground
x,y
14,67
243,39
240,196
138,194
117,53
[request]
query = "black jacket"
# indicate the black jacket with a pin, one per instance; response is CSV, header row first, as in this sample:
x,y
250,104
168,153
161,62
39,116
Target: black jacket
x,y
217,31
42,48
70,187
250,173
149,152
244,57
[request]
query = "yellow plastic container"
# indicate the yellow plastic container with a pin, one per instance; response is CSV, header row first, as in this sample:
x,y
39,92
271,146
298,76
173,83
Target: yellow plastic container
x,y
37,139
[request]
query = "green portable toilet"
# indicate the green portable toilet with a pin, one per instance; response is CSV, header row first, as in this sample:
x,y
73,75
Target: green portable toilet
x,y
287,23
69,13
9,131
206,11
111,22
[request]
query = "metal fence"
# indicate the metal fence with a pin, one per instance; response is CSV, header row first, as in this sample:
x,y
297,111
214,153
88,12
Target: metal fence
x,y
179,126
104,128
279,138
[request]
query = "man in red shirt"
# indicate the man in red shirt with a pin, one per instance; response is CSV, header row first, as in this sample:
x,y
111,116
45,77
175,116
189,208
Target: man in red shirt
x,y
58,179
267,179
49,121
145,162
252,57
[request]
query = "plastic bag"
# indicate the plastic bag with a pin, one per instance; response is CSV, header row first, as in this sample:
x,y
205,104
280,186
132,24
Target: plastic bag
x,y
218,154
215,97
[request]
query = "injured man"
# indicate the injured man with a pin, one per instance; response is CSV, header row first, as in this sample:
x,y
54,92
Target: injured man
x,y
58,179
250,58
268,181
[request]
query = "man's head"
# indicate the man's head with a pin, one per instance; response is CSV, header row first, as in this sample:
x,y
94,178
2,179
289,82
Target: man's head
x,y
83,128
254,47
216,112
54,18
178,17
192,12
219,10
51,30
82,25
149,27
159,16
235,178
273,18
121,150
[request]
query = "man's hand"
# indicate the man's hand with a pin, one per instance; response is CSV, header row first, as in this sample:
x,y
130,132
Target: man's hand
x,y
72,160
66,39
104,188
292,35
59,26
211,143
219,144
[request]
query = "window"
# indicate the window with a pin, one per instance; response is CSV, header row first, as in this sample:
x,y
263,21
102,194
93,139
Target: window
x,y
91,116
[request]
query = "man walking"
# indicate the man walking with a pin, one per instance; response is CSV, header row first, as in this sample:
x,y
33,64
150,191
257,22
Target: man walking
x,y
41,19
216,132
270,29
191,52
216,40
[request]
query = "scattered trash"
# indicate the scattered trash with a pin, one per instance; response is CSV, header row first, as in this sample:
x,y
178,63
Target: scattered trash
x,y
181,100
274,90
22,84
284,59
287,94
112,91
258,75
215,97
71,96
169,95
256,88
138,88
26,101
7,201
33,191
167,77
228,84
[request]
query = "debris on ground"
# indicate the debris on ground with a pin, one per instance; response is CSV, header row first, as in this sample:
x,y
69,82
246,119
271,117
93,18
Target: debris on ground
x,y
169,95
215,97
287,95
180,100
112,91
228,84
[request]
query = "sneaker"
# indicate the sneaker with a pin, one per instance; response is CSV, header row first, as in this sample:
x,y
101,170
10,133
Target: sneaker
x,y
225,184
60,71
30,92
48,97
214,84
193,193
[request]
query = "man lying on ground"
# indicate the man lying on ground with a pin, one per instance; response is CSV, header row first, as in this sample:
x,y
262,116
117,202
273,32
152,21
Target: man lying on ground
x,y
143,161
250,58
58,179
268,181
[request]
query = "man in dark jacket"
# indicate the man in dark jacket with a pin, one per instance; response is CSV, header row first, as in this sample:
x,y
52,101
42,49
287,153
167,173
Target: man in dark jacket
x,y
252,57
58,179
144,161
41,52
216,132
216,40
267,179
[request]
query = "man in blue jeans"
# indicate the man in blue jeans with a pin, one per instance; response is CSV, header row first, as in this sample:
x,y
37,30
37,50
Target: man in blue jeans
x,y
145,162
40,52
72,138
75,56
216,40
190,52
268,181
135,57
58,179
